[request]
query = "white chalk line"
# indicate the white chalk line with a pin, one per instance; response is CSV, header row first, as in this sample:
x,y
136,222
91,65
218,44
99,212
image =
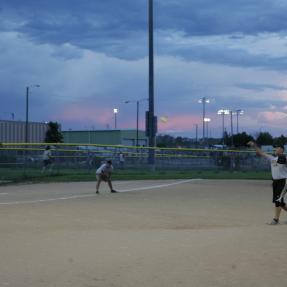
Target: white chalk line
x,y
158,186
92,195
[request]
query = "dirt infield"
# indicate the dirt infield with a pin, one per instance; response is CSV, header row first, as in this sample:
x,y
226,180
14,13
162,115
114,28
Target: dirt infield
x,y
156,233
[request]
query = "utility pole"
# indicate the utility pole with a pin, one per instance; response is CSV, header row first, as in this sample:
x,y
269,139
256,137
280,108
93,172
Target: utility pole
x,y
151,119
196,134
231,123
27,112
203,101
137,139
27,116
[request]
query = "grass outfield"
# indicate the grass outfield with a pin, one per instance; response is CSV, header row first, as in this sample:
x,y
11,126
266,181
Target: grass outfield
x,y
13,175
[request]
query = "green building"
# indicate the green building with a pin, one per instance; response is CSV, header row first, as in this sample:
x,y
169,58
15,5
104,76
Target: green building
x,y
109,137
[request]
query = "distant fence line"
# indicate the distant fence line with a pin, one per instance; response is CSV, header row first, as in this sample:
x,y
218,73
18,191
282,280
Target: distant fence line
x,y
91,155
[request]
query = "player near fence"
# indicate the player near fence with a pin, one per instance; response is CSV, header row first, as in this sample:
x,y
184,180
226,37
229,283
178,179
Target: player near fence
x,y
121,160
279,175
104,173
47,159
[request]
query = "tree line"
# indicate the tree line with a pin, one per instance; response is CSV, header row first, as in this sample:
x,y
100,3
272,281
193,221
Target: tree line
x,y
238,140
54,135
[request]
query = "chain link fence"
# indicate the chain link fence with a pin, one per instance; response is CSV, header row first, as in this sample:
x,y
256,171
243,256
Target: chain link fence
x,y
90,156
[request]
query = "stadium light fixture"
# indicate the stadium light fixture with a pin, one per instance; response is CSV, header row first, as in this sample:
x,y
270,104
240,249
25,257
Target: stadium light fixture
x,y
115,113
207,121
238,113
203,101
223,112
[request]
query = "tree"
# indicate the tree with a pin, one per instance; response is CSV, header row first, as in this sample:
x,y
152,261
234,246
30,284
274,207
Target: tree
x,y
264,138
282,140
53,134
170,141
165,141
242,139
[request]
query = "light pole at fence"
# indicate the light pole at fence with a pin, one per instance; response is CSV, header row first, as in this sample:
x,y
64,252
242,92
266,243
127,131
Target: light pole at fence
x,y
27,111
231,126
223,112
238,113
207,121
138,106
196,134
203,101
151,120
115,113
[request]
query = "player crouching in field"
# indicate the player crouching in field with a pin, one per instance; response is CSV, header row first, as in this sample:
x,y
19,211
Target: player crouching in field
x,y
104,173
279,175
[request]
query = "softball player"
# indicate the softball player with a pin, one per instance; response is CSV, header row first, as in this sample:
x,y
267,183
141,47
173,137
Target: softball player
x,y
279,175
104,173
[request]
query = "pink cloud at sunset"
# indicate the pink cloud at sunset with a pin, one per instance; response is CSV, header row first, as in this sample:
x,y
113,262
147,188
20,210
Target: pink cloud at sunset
x,y
272,117
178,122
83,113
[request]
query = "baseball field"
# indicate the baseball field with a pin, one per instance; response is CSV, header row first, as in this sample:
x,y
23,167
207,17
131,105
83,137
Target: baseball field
x,y
152,233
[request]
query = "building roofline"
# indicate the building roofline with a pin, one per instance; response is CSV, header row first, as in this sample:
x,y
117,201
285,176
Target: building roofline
x,y
131,130
23,122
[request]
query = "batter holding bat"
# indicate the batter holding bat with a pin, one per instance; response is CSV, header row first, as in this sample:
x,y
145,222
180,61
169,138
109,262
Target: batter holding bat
x,y
104,173
279,175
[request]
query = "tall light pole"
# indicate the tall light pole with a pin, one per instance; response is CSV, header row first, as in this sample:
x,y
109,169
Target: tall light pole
x,y
27,111
196,134
231,126
115,113
203,101
151,119
223,112
138,105
238,112
207,120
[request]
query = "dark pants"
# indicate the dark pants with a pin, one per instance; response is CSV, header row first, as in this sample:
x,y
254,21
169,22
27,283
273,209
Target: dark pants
x,y
278,186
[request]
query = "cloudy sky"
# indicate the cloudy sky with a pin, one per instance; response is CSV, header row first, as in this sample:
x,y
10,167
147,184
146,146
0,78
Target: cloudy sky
x,y
91,56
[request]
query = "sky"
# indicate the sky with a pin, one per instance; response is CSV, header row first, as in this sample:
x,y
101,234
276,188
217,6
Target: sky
x,y
91,56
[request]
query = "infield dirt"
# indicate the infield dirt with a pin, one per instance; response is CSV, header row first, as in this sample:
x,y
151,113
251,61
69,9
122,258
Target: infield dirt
x,y
197,233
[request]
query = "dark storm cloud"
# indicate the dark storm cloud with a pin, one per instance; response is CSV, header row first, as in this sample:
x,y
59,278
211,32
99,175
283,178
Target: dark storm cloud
x,y
232,57
73,21
118,27
208,17
114,20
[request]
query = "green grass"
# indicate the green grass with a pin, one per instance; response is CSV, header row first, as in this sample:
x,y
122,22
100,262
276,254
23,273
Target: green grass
x,y
13,175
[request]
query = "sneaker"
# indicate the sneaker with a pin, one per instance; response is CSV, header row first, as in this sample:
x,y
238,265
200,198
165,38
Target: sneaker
x,y
113,191
274,222
97,192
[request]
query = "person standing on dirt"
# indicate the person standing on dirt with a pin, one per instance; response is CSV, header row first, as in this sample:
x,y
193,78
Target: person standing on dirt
x,y
104,173
279,175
